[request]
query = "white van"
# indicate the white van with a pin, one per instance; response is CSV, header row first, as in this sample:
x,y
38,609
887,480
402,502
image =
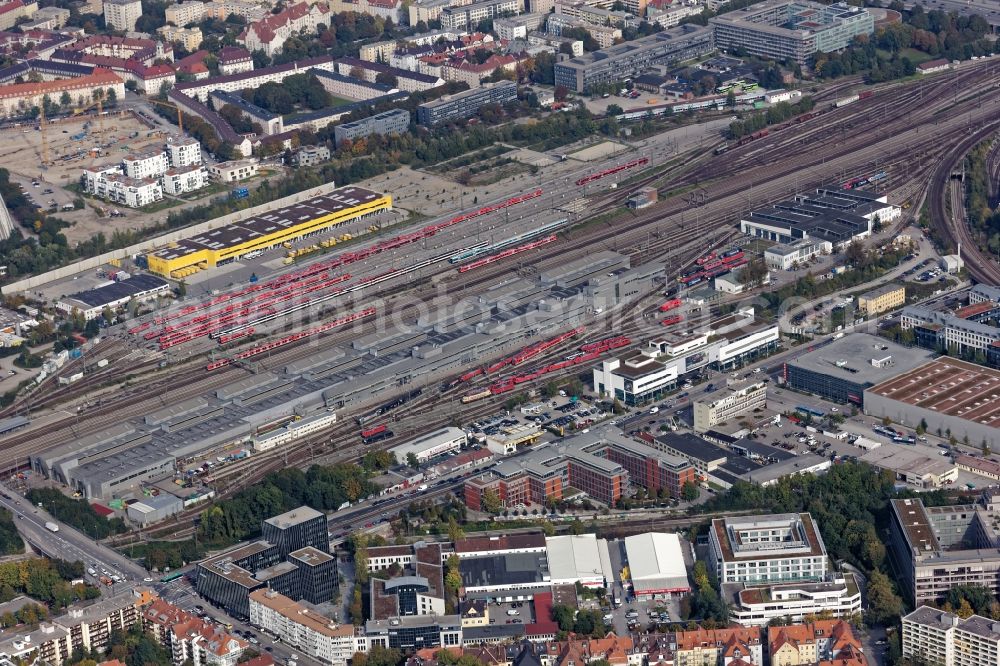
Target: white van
x,y
513,613
654,410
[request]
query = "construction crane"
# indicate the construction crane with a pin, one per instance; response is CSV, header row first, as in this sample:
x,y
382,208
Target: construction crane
x,y
180,115
46,160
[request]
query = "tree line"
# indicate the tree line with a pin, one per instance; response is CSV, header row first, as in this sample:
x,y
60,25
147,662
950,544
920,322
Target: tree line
x,y
778,113
324,488
47,581
77,513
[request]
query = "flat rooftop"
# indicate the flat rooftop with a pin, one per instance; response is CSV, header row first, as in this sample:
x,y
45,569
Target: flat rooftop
x,y
910,514
294,517
110,293
948,386
851,358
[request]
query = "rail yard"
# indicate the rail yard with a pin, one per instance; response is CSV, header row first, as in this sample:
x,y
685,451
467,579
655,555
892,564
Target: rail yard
x,y
419,325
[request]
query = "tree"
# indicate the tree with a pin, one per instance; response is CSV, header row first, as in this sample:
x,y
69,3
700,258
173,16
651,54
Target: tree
x,y
381,656
884,605
561,92
387,79
690,491
491,502
455,532
614,110
731,99
411,460
563,615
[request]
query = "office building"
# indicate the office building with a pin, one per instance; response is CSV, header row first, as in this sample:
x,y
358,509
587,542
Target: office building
x,y
289,559
635,379
394,121
629,59
313,634
947,395
464,105
122,14
727,404
755,605
429,445
845,369
965,330
466,17
882,299
767,549
933,636
790,29
938,548
415,632
599,463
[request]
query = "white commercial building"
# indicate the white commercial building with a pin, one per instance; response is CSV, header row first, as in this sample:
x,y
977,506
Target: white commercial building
x,y
432,444
767,549
728,403
315,635
185,179
634,379
783,257
581,558
656,565
122,14
936,637
294,430
756,606
151,164
184,151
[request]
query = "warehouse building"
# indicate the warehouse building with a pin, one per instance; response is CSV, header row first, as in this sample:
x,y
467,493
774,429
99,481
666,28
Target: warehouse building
x,y
917,467
779,548
153,509
882,299
465,104
504,573
580,558
936,549
790,29
92,303
269,230
432,444
843,370
629,59
948,395
830,214
656,565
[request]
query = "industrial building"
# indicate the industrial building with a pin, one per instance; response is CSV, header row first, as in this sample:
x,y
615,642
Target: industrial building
x,y
938,548
786,256
656,565
917,467
727,403
432,444
843,370
293,558
92,303
780,548
600,463
269,230
947,395
368,372
934,636
830,214
882,299
465,104
755,606
790,29
153,509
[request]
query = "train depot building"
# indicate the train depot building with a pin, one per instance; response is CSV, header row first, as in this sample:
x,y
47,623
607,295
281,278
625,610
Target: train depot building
x,y
267,231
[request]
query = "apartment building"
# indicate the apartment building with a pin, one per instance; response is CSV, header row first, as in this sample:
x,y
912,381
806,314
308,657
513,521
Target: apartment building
x,y
882,299
604,35
791,29
190,38
932,636
179,180
184,151
204,644
767,549
16,99
718,647
310,156
728,404
122,14
315,635
394,121
183,13
233,171
234,60
468,16
249,11
110,184
818,642
466,104
149,164
270,33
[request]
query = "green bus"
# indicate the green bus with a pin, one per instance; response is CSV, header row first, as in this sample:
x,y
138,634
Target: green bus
x,y
173,576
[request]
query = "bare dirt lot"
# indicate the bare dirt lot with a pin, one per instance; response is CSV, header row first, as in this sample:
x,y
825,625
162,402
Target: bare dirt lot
x,y
599,151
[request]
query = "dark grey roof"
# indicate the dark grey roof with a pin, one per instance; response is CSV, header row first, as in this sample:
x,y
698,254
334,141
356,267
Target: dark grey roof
x,y
118,290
